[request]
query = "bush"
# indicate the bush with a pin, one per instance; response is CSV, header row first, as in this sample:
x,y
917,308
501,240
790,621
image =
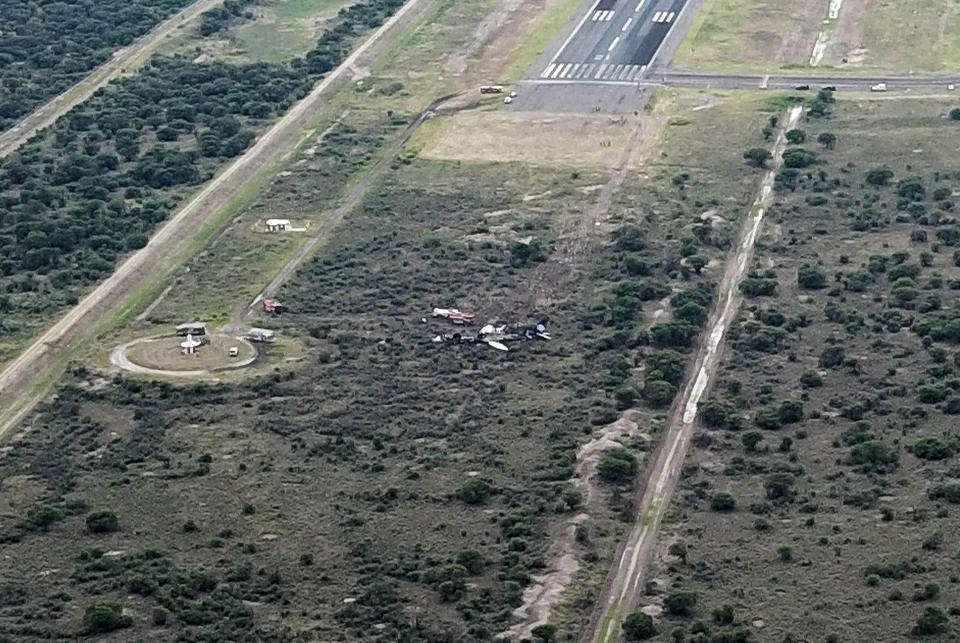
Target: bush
x,y
618,465
811,379
757,156
658,393
796,136
811,277
545,632
475,491
639,626
879,176
680,602
931,448
790,411
955,113
832,356
723,501
720,414
105,616
102,522
751,439
932,621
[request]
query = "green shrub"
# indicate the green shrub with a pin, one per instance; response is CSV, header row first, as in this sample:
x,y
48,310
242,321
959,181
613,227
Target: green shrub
x,y
723,501
617,465
639,626
102,522
105,616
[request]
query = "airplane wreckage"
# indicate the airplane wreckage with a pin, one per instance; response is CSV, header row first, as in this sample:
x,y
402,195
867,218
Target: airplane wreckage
x,y
495,337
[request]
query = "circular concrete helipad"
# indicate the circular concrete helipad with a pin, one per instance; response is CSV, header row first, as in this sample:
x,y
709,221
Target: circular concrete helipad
x,y
164,356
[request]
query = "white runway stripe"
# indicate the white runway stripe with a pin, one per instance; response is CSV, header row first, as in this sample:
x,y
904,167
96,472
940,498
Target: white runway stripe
x,y
671,17
640,4
616,72
608,17
573,72
656,16
596,16
546,72
623,74
626,25
566,69
586,71
600,71
613,44
556,71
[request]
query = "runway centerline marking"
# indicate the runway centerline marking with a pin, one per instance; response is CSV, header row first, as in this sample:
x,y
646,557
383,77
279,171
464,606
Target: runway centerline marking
x,y
626,25
613,44
640,4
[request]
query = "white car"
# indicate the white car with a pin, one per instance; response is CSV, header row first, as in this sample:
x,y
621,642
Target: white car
x,y
513,94
951,87
508,100
879,87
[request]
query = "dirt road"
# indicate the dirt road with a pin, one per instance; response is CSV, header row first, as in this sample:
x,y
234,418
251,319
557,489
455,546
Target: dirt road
x,y
123,61
27,378
624,587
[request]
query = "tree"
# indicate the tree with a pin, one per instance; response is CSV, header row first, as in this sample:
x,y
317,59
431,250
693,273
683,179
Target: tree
x,y
832,356
618,465
546,632
475,491
721,414
931,448
678,549
796,136
811,277
639,626
798,157
932,621
757,156
723,502
811,379
697,262
680,602
955,113
750,440
790,411
105,616
828,140
779,486
879,176
659,393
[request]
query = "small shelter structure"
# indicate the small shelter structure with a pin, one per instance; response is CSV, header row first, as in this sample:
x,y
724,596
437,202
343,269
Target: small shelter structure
x,y
278,225
261,335
192,328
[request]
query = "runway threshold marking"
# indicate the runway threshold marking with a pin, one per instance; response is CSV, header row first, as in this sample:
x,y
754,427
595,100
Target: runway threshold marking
x,y
546,72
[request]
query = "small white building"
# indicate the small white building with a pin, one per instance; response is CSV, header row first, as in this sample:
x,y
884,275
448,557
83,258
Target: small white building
x,y
278,225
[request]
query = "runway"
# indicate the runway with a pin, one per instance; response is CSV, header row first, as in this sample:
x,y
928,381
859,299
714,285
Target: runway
x,y
615,41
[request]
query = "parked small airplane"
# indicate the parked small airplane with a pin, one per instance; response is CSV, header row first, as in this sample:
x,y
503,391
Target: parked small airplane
x,y
454,316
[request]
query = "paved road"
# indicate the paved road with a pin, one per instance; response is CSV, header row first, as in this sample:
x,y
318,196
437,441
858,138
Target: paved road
x,y
123,61
682,78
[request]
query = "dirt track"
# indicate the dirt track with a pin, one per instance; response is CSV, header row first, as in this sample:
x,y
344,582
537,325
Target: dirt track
x,y
25,380
624,587
123,61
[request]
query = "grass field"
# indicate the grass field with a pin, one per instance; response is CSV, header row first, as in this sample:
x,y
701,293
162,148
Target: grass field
x,y
869,36
831,425
751,35
912,37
